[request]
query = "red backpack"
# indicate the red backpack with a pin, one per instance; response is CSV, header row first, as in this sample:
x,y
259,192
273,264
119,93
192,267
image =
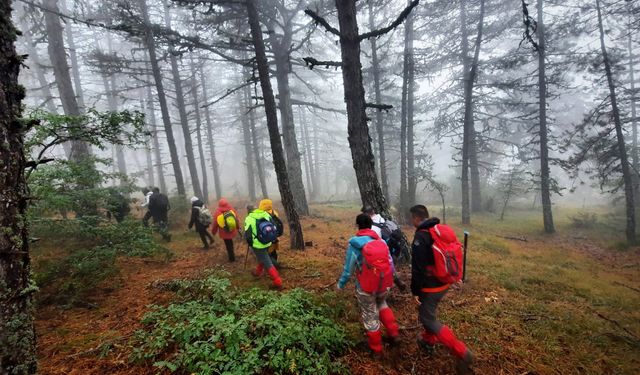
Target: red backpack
x,y
447,253
375,274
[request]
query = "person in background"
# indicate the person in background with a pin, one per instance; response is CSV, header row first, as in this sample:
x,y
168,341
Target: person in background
x,y
266,205
428,291
159,209
201,218
147,198
365,248
225,224
260,232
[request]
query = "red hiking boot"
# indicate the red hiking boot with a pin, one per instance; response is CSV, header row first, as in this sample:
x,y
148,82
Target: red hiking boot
x,y
275,278
389,322
258,271
374,340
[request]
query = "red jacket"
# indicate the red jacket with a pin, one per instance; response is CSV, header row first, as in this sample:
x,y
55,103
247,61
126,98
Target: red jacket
x,y
224,206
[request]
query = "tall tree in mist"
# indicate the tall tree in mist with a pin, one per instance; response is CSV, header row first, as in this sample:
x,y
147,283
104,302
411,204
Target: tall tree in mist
x,y
150,45
197,109
297,241
79,150
354,96
279,17
17,334
210,141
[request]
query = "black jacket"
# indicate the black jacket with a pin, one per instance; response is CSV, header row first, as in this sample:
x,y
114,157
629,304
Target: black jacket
x,y
422,257
195,215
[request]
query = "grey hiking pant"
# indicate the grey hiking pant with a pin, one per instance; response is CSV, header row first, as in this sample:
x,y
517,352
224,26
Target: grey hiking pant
x,y
370,306
428,309
263,257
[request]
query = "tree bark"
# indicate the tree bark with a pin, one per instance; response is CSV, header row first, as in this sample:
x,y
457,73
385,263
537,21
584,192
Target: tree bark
x,y
17,334
182,112
162,100
297,241
249,156
379,124
359,139
151,181
256,146
151,116
622,150
196,108
79,150
545,178
310,162
75,67
412,180
294,167
404,208
212,146
635,159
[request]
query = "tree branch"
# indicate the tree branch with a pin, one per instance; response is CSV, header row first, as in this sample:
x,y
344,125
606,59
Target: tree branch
x,y
401,17
311,63
383,107
321,21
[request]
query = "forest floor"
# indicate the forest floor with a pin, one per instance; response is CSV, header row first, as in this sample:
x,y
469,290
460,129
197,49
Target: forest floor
x,y
533,304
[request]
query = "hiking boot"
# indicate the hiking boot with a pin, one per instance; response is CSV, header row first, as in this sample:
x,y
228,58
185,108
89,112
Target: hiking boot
x,y
463,365
427,348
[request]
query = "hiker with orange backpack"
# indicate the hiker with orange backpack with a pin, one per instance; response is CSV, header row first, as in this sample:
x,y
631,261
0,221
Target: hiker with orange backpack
x,y
368,255
260,232
436,263
266,205
225,224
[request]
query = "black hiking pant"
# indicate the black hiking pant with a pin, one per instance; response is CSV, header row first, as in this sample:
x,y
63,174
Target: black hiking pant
x,y
205,236
229,245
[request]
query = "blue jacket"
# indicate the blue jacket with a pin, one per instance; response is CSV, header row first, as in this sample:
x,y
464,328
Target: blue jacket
x,y
354,255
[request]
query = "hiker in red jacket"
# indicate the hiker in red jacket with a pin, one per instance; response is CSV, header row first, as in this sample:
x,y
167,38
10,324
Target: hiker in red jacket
x,y
225,224
368,256
429,291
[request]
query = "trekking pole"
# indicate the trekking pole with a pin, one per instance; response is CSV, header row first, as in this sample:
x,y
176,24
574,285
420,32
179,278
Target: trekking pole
x,y
464,257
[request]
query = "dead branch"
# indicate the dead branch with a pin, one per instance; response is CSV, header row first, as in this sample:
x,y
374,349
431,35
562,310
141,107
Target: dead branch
x,y
380,107
321,21
401,17
614,322
328,285
627,286
311,63
522,239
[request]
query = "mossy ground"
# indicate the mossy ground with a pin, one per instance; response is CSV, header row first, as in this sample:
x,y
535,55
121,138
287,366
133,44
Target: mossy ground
x,y
567,303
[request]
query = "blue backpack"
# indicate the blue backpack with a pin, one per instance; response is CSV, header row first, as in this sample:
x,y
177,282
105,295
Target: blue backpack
x,y
266,231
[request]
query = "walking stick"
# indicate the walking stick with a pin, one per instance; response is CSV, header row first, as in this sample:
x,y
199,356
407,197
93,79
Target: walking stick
x,y
464,257
246,257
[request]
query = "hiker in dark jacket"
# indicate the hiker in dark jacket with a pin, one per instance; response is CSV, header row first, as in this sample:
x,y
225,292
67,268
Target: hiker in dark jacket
x,y
159,210
428,291
196,219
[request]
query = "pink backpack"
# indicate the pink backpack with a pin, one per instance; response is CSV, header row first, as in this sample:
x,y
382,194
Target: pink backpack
x,y
375,275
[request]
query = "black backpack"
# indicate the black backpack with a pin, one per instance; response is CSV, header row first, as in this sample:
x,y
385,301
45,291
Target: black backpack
x,y
159,202
278,224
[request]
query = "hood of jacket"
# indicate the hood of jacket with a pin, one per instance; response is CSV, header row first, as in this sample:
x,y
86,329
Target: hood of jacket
x,y
197,203
266,205
362,237
223,205
429,223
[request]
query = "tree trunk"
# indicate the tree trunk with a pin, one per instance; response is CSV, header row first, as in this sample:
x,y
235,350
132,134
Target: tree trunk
x,y
162,99
79,150
196,108
151,181
317,187
375,65
622,151
151,116
311,167
359,139
412,180
635,159
17,334
297,241
249,156
545,179
404,207
75,67
212,146
294,167
256,146
182,112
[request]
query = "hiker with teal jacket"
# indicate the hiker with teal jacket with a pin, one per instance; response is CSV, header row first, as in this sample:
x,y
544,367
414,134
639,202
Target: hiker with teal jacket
x,y
260,232
368,257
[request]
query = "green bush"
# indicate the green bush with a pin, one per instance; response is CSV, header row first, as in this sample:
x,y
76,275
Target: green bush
x,y
91,259
219,329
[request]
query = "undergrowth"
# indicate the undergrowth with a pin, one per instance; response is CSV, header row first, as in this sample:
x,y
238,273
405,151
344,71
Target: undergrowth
x,y
216,328
90,259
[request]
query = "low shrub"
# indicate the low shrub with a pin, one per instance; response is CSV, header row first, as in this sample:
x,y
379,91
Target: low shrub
x,y
69,279
584,220
216,328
